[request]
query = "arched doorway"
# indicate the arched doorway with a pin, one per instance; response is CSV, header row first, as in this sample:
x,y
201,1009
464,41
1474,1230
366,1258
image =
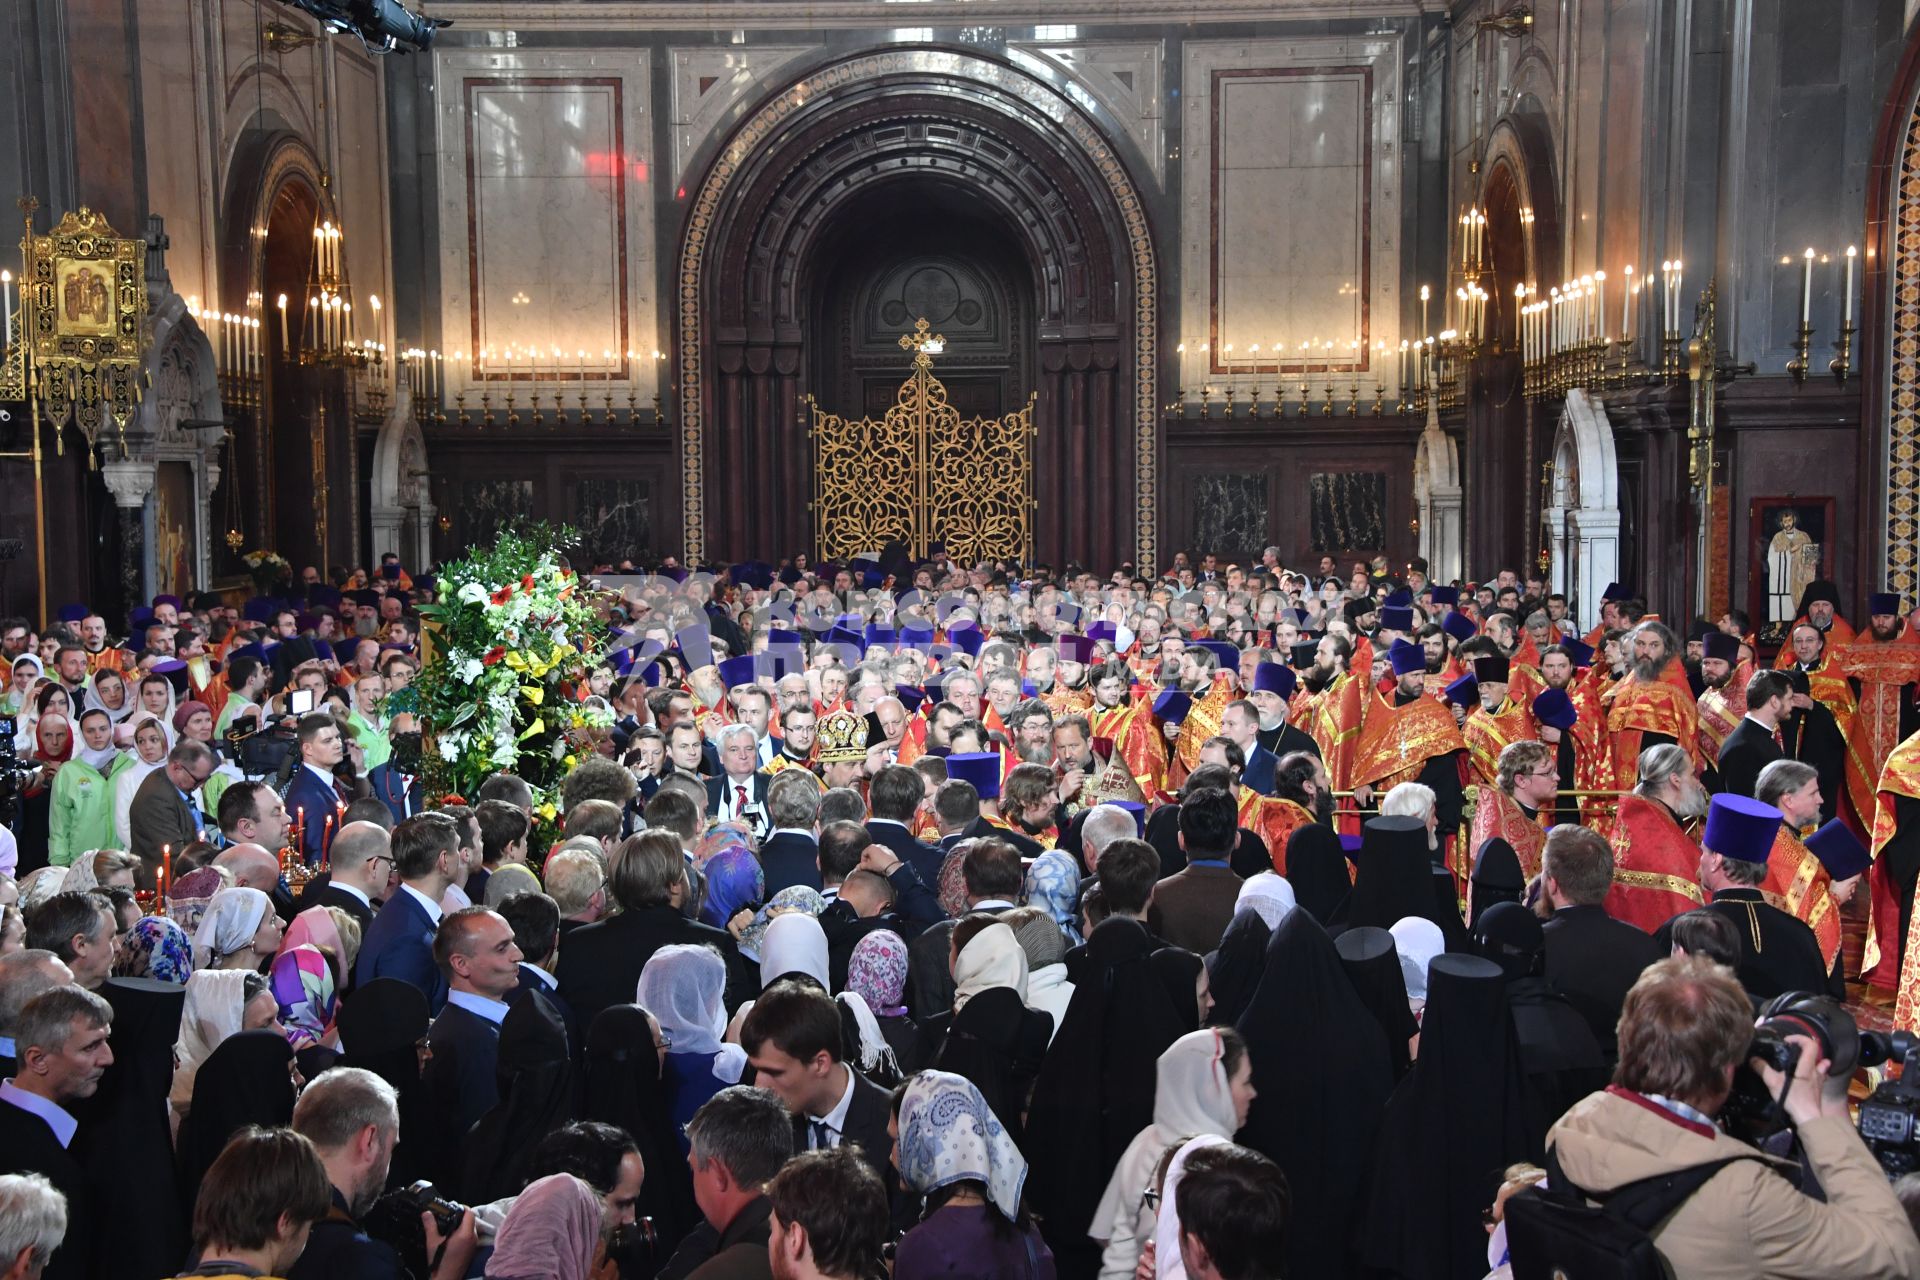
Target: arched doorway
x,y
924,128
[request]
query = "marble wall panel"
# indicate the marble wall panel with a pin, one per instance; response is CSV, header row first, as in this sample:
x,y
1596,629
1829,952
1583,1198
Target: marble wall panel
x,y
707,84
1123,79
1291,203
1229,510
546,217
1348,510
614,515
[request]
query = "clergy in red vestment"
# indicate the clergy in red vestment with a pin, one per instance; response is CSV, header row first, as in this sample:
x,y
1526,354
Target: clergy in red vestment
x,y
1409,737
1796,879
1508,810
1653,704
1127,721
1498,722
1656,857
1723,703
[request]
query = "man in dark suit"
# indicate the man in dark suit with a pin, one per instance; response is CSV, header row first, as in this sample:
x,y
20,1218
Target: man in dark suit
x,y
314,796
600,963
62,1041
793,1042
1591,958
1193,908
791,854
399,943
994,880
535,919
739,792
475,947
162,814
895,799
361,857
1751,746
1241,723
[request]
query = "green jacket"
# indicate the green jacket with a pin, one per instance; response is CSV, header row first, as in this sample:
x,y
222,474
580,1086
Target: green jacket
x,y
373,742
80,816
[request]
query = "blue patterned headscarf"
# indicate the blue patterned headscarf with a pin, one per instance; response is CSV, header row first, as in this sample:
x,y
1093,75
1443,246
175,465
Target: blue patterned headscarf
x,y
797,896
155,947
734,880
1053,885
949,1134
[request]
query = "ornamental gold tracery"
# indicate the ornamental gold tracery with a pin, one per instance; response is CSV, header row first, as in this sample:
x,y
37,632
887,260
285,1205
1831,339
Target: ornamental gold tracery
x,y
922,473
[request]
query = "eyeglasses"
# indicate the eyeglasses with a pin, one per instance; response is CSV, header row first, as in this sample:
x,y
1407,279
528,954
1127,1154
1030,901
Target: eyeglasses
x,y
1544,773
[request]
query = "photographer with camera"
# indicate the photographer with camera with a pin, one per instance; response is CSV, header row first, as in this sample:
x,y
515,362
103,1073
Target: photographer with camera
x,y
1685,1029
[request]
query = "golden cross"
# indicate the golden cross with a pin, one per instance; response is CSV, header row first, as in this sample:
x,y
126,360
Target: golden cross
x,y
920,338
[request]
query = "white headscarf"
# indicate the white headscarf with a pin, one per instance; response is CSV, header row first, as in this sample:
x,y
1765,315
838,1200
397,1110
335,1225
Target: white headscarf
x,y
875,1052
37,886
231,921
1267,892
128,695
1191,1094
215,1008
99,759
794,943
80,875
1167,1264
993,959
684,986
1417,940
949,1134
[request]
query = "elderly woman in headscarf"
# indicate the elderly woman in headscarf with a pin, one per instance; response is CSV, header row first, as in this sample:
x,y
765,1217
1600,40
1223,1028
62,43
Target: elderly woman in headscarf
x,y
239,931
954,1150
219,1003
155,948
994,1039
1053,885
53,747
551,1233
148,739
877,973
1204,1084
684,987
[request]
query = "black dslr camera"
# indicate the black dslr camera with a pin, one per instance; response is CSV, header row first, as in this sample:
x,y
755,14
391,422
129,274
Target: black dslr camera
x,y
12,771
1753,1114
424,1197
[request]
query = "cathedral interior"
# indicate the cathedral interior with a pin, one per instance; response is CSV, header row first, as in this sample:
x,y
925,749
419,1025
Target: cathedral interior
x,y
1607,290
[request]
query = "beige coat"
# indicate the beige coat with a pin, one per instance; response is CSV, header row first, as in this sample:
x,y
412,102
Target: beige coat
x,y
1748,1222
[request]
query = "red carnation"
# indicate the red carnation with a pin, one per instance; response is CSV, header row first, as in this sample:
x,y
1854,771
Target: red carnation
x,y
503,595
493,655
526,583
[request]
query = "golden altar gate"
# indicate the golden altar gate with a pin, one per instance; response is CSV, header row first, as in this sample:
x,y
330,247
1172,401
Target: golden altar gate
x,y
923,474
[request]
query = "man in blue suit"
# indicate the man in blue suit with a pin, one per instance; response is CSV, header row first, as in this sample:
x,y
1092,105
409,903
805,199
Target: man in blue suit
x,y
476,948
791,855
314,794
399,942
1241,723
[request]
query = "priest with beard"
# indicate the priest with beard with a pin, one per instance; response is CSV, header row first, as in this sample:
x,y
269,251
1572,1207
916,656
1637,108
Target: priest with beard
x,y
1273,687
1653,705
1498,722
1656,860
1819,712
1409,737
1722,703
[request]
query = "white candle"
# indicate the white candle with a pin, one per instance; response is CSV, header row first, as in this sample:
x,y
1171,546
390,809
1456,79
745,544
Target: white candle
x,y
1600,304
1806,290
1846,297
1626,303
6,305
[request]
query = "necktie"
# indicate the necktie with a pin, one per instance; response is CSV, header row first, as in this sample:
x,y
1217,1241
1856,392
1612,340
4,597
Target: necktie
x,y
823,1135
740,800
340,790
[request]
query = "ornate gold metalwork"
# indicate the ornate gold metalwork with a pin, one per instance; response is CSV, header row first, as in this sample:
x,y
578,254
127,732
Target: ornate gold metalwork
x,y
83,309
923,473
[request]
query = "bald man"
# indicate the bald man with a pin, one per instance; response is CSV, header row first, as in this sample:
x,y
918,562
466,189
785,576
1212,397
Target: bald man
x,y
360,861
253,867
24,975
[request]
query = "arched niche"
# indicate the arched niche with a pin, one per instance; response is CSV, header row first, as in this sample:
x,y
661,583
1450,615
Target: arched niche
x,y
398,502
955,125
1582,519
1436,490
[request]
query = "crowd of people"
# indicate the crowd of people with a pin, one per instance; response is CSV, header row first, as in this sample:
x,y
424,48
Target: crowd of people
x,y
922,919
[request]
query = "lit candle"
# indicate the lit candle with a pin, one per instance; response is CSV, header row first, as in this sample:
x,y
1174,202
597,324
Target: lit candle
x,y
6,305
1676,296
1846,297
166,874
1806,290
1423,308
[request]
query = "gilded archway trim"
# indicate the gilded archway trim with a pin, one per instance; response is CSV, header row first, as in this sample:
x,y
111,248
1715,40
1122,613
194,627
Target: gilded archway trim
x,y
1902,520
704,216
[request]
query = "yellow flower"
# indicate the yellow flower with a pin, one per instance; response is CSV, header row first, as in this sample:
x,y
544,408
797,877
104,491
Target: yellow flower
x,y
536,694
537,726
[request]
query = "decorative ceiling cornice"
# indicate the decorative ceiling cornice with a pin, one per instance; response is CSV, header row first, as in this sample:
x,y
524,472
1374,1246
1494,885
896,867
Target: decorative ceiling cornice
x,y
790,15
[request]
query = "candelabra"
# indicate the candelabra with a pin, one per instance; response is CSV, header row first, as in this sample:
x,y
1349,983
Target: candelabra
x,y
1803,358
1841,365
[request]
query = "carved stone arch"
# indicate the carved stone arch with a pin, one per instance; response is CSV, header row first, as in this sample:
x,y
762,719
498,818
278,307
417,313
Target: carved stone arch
x,y
1519,172
963,125
398,501
1583,516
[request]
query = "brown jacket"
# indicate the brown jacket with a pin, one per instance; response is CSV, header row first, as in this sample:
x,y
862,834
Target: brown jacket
x,y
1193,908
1747,1222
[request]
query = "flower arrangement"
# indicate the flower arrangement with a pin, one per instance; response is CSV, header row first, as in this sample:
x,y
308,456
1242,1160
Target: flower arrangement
x,y
512,626
268,569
